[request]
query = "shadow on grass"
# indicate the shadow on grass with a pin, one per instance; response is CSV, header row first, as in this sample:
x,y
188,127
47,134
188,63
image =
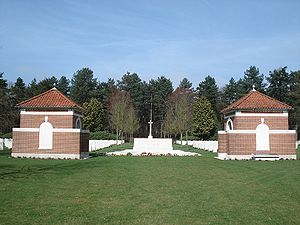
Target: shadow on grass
x,y
23,168
103,151
188,148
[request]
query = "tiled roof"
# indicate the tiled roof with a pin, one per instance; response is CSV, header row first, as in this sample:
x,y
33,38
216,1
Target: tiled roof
x,y
52,98
255,100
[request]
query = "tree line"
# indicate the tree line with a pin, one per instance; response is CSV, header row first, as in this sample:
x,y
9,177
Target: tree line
x,y
123,107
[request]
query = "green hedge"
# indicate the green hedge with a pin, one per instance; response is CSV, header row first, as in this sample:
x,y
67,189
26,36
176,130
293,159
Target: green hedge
x,y
7,135
102,135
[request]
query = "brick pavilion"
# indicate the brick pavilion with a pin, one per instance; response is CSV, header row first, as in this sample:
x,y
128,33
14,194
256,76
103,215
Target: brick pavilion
x,y
50,127
256,127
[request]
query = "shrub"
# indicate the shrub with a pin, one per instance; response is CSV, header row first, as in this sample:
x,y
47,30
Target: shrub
x,y
97,154
7,135
102,135
194,138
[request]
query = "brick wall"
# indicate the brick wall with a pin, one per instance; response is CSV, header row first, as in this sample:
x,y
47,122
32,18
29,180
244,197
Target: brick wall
x,y
251,122
283,143
245,144
222,143
57,121
241,144
63,143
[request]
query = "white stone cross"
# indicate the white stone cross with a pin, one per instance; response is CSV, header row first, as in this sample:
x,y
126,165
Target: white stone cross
x,y
150,130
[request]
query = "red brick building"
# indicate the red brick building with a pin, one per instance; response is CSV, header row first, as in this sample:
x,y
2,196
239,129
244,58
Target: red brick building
x,y
50,127
256,126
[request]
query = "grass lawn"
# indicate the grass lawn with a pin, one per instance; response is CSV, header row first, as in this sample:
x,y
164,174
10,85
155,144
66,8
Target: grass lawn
x,y
148,190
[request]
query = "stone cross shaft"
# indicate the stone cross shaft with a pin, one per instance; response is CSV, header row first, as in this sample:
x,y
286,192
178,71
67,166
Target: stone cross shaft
x,y
150,130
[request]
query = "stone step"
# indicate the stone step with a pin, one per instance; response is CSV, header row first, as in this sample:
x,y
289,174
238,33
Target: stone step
x,y
268,157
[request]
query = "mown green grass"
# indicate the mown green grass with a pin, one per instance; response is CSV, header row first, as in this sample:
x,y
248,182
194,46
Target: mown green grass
x,y
149,190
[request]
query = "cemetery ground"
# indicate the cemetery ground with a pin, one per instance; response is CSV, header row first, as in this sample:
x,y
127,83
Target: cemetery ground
x,y
148,190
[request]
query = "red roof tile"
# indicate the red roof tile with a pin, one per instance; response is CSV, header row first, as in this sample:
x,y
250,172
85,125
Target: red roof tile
x,y
255,100
52,98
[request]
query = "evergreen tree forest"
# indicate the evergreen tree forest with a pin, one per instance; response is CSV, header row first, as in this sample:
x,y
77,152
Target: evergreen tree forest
x,y
123,107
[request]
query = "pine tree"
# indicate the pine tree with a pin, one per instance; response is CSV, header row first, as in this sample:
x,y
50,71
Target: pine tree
x,y
131,83
4,105
185,83
209,89
63,85
204,124
94,115
32,89
46,84
3,82
252,77
294,99
280,83
159,90
83,86
18,91
295,88
104,91
35,88
7,115
230,92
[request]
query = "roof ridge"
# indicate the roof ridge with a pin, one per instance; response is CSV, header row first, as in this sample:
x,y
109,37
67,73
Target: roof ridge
x,y
250,101
237,102
68,99
274,99
34,97
52,90
244,98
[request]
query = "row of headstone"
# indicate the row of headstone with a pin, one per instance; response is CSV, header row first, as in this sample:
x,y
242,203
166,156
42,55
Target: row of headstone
x,y
211,146
99,144
5,143
93,144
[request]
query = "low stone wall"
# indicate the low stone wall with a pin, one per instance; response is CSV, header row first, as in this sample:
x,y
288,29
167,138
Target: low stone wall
x,y
98,144
5,142
211,146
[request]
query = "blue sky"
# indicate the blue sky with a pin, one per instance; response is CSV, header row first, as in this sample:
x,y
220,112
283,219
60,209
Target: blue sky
x,y
176,39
